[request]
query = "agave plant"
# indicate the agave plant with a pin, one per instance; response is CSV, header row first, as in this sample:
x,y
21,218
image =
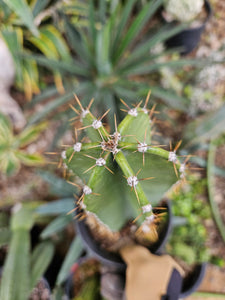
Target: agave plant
x,y
29,27
123,174
114,57
13,147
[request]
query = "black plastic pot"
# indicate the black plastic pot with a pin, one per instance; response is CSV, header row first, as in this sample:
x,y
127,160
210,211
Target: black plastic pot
x,y
113,259
193,280
188,39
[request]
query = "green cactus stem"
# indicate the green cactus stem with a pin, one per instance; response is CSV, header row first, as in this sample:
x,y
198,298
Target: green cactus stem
x,y
123,174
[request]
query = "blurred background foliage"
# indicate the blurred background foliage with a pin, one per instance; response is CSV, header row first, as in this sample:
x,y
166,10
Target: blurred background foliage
x,y
105,50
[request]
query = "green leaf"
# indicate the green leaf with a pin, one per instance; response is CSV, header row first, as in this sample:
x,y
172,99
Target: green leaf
x,y
30,159
40,259
52,37
51,106
56,225
161,35
211,190
75,251
126,12
170,98
73,68
145,14
210,126
9,163
38,6
30,134
58,186
57,207
22,219
22,9
13,39
77,42
17,264
5,236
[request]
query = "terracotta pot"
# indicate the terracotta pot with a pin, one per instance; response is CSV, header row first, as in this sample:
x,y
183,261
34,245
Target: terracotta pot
x,y
189,38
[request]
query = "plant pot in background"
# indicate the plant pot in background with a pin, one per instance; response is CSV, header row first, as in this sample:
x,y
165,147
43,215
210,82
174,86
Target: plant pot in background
x,y
193,280
113,259
188,39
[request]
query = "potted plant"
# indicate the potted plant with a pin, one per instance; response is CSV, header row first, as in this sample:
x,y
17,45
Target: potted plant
x,y
196,13
121,176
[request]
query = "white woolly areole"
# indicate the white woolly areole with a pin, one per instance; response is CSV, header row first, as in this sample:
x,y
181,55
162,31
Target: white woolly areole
x,y
146,208
77,147
87,190
63,154
96,124
145,110
133,112
150,219
142,147
132,181
145,228
83,206
117,135
115,151
172,156
84,113
100,162
182,168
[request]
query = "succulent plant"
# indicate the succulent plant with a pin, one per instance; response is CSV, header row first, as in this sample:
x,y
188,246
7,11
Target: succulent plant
x,y
183,10
123,174
13,148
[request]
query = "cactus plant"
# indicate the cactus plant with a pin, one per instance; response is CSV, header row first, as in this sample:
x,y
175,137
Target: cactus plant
x,y
123,174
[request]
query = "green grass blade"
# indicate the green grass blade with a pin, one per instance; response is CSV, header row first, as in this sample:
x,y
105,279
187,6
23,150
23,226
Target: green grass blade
x,y
22,9
56,225
17,264
160,36
64,67
73,254
144,68
91,28
211,190
40,259
76,40
145,14
123,21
